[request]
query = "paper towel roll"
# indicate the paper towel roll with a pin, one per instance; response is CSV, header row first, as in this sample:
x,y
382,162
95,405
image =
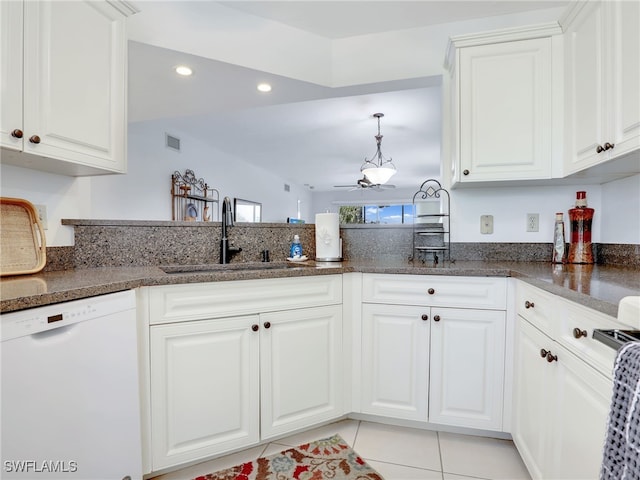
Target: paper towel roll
x,y
327,237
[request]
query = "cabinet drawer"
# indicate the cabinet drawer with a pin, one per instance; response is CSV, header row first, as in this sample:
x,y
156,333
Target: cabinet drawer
x,y
575,332
437,291
537,306
177,303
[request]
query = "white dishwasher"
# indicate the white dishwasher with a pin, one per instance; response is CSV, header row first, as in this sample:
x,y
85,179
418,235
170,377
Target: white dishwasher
x,y
70,398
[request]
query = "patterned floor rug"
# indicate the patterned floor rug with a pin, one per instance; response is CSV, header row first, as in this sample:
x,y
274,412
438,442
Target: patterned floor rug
x,y
329,458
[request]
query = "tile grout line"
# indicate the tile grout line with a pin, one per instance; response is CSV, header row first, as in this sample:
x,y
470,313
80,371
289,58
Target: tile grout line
x,y
440,455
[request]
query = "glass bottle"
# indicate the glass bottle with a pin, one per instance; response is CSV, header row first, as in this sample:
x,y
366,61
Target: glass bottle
x,y
581,219
559,243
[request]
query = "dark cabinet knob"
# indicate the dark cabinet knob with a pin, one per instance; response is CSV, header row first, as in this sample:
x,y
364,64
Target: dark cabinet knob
x,y
34,139
465,172
255,327
436,318
528,304
599,149
551,357
579,333
608,146
425,317
431,291
17,133
543,353
267,324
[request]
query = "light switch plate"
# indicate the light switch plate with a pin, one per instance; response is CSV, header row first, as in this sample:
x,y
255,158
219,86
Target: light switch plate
x,y
486,224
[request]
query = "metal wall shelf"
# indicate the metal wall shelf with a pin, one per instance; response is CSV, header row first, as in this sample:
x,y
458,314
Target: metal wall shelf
x,y
190,198
431,240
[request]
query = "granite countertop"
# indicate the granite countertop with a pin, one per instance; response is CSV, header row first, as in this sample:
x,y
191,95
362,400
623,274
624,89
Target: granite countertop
x,y
595,286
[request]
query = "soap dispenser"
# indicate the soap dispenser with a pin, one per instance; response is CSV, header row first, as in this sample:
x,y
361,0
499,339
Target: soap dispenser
x,y
296,247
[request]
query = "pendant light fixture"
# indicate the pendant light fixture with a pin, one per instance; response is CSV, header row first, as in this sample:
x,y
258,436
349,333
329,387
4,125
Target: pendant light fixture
x,y
378,169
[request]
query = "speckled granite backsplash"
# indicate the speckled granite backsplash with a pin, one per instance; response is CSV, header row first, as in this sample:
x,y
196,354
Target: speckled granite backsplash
x,y
101,243
104,243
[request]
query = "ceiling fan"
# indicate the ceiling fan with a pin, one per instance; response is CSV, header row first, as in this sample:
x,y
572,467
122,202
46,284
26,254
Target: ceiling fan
x,y
365,183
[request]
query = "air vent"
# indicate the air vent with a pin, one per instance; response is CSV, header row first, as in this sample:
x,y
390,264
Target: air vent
x,y
173,142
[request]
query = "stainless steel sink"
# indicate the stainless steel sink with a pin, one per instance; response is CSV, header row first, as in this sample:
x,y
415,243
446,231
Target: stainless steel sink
x,y
232,267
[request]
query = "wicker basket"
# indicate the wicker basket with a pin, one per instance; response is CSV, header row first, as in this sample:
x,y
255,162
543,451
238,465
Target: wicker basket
x,y
22,241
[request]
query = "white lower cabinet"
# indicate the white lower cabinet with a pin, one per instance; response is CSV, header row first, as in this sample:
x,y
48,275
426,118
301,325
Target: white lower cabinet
x,y
219,383
434,363
467,368
395,360
301,368
562,397
561,409
204,388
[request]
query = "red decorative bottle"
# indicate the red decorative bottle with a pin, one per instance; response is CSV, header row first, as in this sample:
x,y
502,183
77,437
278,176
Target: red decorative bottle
x,y
581,219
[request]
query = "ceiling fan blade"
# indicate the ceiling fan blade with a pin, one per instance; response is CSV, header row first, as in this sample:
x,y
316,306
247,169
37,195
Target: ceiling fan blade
x,y
346,186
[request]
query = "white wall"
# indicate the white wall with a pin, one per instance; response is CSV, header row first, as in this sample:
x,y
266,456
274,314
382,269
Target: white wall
x,y
60,194
215,31
616,204
414,52
621,211
143,194
509,207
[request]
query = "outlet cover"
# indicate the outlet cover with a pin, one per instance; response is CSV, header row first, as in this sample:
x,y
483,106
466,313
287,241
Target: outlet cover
x,y
533,222
42,213
486,224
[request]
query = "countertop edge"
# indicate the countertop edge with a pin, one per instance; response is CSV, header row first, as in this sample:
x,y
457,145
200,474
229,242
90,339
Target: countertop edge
x,y
92,282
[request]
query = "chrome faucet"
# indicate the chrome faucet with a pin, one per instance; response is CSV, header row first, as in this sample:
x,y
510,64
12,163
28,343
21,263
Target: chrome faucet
x,y
226,252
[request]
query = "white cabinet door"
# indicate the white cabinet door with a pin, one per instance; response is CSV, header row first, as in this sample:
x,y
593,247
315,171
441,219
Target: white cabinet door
x,y
623,50
602,70
11,47
204,388
506,111
395,361
578,433
533,404
585,88
301,368
73,95
467,368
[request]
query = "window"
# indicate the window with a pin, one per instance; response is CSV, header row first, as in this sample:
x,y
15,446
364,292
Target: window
x,y
376,214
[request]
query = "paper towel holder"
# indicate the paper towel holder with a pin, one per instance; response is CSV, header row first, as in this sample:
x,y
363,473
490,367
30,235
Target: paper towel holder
x,y
328,241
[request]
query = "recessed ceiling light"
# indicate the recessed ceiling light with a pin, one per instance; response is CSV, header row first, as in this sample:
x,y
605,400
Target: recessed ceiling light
x,y
183,70
264,87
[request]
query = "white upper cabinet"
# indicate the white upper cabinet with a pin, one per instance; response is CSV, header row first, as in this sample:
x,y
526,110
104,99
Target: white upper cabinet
x,y
506,124
602,75
64,71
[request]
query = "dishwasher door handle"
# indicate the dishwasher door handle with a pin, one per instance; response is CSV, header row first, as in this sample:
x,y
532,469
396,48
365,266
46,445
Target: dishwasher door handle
x,y
54,333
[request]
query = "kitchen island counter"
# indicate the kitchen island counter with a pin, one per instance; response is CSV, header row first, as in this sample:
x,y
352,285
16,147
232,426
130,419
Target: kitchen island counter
x,y
596,286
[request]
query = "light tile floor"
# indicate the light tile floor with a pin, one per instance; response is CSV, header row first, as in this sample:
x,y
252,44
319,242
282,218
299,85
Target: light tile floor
x,y
397,453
